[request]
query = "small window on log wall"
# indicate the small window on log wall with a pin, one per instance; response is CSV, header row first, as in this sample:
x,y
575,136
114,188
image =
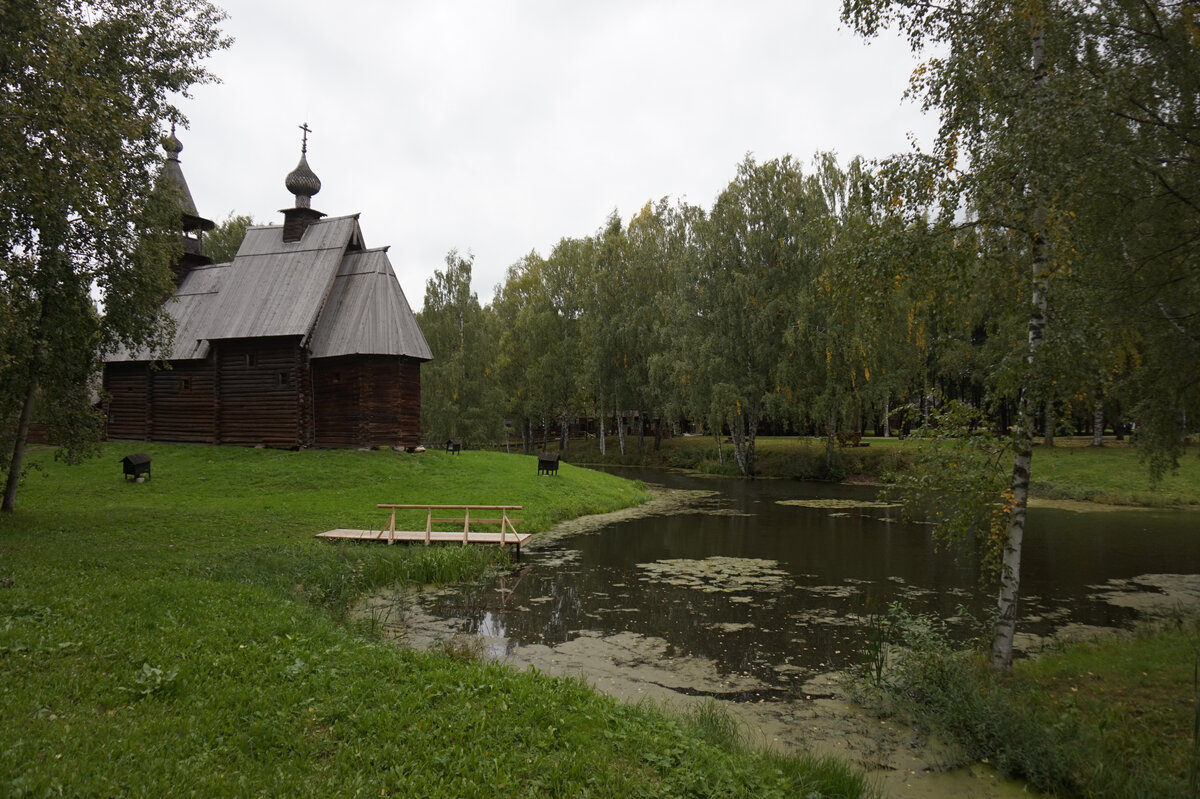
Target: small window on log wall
x,y
251,359
285,378
337,378
185,384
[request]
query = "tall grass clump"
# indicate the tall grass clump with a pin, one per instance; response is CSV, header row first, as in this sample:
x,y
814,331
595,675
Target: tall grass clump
x,y
809,775
911,668
1117,717
334,575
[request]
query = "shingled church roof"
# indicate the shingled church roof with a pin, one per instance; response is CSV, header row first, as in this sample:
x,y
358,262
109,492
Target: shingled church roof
x,y
311,278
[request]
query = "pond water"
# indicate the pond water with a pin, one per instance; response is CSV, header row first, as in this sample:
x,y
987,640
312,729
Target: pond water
x,y
765,574
753,592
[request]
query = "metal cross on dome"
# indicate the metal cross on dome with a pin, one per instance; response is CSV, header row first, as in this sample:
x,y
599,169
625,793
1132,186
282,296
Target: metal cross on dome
x,y
304,144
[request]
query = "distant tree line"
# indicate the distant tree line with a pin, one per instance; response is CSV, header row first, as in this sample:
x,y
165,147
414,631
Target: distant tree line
x,y
810,302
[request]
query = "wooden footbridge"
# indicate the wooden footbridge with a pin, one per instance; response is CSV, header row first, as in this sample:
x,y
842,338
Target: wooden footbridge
x,y
486,516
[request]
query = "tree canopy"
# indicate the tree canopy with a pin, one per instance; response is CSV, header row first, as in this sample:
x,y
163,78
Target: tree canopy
x,y
86,89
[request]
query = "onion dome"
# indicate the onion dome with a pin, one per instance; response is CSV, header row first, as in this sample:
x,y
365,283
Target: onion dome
x,y
302,181
173,146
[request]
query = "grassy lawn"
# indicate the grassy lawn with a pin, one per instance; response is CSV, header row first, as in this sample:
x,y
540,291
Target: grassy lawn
x,y
188,636
1113,474
1125,710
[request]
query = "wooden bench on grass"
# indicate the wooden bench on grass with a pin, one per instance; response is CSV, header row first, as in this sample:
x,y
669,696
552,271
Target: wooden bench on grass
x,y
506,535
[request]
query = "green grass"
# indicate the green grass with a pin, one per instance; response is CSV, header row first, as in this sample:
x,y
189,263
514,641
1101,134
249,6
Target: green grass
x,y
188,637
1114,718
1126,707
1112,474
799,458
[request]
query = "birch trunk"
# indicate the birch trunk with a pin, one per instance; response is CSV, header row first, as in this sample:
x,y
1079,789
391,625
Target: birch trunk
x,y
18,455
620,432
1010,567
751,440
737,431
830,435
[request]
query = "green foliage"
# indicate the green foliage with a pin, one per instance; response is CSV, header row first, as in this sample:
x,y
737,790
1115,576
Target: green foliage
x,y
539,359
953,692
1090,719
222,242
956,478
752,259
460,392
86,87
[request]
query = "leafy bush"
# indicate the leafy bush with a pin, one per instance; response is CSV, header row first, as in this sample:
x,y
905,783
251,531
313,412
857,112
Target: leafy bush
x,y
913,669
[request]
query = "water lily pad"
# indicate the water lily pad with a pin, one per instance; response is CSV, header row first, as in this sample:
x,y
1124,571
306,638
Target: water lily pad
x,y
717,574
730,626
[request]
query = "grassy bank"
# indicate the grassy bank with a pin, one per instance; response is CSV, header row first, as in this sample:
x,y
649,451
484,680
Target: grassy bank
x,y
1126,708
187,636
1112,474
1113,718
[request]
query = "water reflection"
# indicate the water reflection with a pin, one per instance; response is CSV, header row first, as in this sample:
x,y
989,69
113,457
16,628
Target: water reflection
x,y
778,592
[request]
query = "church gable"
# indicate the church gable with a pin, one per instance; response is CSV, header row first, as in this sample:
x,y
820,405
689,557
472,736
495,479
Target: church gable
x,y
367,313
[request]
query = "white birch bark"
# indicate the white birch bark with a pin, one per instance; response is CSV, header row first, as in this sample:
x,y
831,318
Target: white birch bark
x,y
1010,567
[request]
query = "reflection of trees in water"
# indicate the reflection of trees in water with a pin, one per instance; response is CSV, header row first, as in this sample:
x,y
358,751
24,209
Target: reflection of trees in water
x,y
840,571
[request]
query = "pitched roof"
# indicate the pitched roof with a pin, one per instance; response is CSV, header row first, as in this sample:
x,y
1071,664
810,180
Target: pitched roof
x,y
367,312
278,288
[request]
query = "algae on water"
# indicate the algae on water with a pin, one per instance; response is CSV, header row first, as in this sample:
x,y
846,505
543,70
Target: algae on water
x,y
838,504
717,574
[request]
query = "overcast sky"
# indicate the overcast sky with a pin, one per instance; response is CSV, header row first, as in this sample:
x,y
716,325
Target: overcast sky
x,y
501,127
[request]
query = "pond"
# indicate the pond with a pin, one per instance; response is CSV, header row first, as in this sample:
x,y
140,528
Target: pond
x,y
754,592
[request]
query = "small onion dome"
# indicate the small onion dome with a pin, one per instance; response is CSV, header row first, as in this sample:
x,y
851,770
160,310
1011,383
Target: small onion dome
x,y
302,182
172,145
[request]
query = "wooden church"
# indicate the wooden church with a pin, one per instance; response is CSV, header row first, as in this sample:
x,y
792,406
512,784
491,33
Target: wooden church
x,y
304,339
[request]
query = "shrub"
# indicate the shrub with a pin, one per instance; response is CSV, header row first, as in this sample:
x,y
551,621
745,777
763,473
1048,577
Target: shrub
x,y
913,669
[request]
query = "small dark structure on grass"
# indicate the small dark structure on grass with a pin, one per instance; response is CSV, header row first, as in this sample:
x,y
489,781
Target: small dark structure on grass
x,y
547,463
136,466
454,446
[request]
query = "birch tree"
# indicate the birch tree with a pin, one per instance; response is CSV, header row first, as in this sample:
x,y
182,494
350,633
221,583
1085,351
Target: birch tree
x,y
86,90
1002,78
460,395
740,290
